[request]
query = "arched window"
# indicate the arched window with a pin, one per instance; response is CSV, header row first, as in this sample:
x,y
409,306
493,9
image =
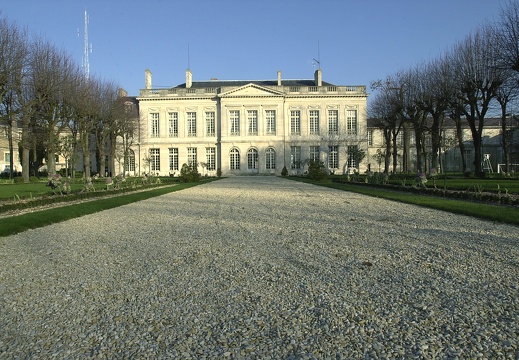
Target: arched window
x,y
252,159
234,159
270,159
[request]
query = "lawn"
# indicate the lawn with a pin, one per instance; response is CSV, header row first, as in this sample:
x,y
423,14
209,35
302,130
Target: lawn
x,y
41,218
498,213
469,184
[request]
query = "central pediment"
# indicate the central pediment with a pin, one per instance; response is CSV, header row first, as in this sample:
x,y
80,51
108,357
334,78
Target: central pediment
x,y
251,90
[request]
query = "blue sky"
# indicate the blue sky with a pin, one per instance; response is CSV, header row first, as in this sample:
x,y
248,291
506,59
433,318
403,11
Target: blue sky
x,y
358,40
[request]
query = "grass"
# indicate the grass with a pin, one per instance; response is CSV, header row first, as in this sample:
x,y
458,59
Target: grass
x,y
14,225
504,214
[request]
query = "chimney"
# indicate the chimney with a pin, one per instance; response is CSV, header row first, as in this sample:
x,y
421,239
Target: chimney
x,y
122,93
189,79
279,77
148,79
318,77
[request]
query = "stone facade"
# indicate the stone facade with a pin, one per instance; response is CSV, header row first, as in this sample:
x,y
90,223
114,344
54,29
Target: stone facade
x,y
250,127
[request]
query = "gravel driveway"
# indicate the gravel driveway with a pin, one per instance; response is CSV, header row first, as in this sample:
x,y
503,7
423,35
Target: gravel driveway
x,y
261,267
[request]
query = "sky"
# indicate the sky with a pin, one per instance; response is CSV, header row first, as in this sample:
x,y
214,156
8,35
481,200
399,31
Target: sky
x,y
355,41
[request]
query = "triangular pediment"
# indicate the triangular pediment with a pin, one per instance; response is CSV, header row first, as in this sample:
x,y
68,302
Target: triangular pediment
x,y
251,90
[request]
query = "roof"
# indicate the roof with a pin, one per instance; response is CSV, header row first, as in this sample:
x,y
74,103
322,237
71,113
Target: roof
x,y
238,83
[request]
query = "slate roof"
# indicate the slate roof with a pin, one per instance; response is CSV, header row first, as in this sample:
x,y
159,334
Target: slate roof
x,y
238,83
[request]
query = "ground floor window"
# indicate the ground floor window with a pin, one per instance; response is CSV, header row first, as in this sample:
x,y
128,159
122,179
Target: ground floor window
x,y
129,165
314,154
173,159
295,157
191,156
270,159
333,157
234,159
154,159
352,150
252,159
210,158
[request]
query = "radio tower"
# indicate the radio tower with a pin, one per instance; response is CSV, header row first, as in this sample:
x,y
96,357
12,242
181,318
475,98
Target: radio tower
x,y
86,65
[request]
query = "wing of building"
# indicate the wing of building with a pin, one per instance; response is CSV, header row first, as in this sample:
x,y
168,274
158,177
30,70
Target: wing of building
x,y
250,127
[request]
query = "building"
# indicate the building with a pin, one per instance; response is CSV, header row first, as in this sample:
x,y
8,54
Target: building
x,y
451,156
250,127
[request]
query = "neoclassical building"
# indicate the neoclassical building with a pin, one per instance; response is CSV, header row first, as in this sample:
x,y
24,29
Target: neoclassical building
x,y
250,127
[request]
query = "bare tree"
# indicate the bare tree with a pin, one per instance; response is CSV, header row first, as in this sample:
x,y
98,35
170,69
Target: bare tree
x,y
507,40
478,78
384,111
13,55
438,95
52,71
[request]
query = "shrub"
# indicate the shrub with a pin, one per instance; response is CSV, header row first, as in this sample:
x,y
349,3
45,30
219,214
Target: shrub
x,y
189,173
316,170
284,172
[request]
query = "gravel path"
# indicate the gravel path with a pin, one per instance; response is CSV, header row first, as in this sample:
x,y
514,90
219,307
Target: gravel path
x,y
261,267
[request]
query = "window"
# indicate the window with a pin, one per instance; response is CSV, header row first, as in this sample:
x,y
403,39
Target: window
x,y
154,120
155,159
210,158
270,159
295,157
234,159
129,165
370,138
333,157
352,149
270,116
191,156
252,121
333,122
252,159
314,153
7,157
173,159
173,124
295,122
314,122
400,138
191,124
234,116
209,123
351,118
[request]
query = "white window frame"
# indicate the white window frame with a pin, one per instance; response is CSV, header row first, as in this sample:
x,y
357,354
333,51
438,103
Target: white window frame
x,y
252,159
295,122
270,118
155,159
210,124
173,124
351,120
154,125
191,124
333,122
234,120
270,159
192,158
252,122
314,122
333,156
210,158
295,157
173,159
234,159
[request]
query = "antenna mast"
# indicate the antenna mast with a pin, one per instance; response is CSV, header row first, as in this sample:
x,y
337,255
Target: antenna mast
x,y
86,64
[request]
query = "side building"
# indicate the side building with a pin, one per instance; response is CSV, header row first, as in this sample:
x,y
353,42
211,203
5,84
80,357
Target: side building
x,y
251,127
